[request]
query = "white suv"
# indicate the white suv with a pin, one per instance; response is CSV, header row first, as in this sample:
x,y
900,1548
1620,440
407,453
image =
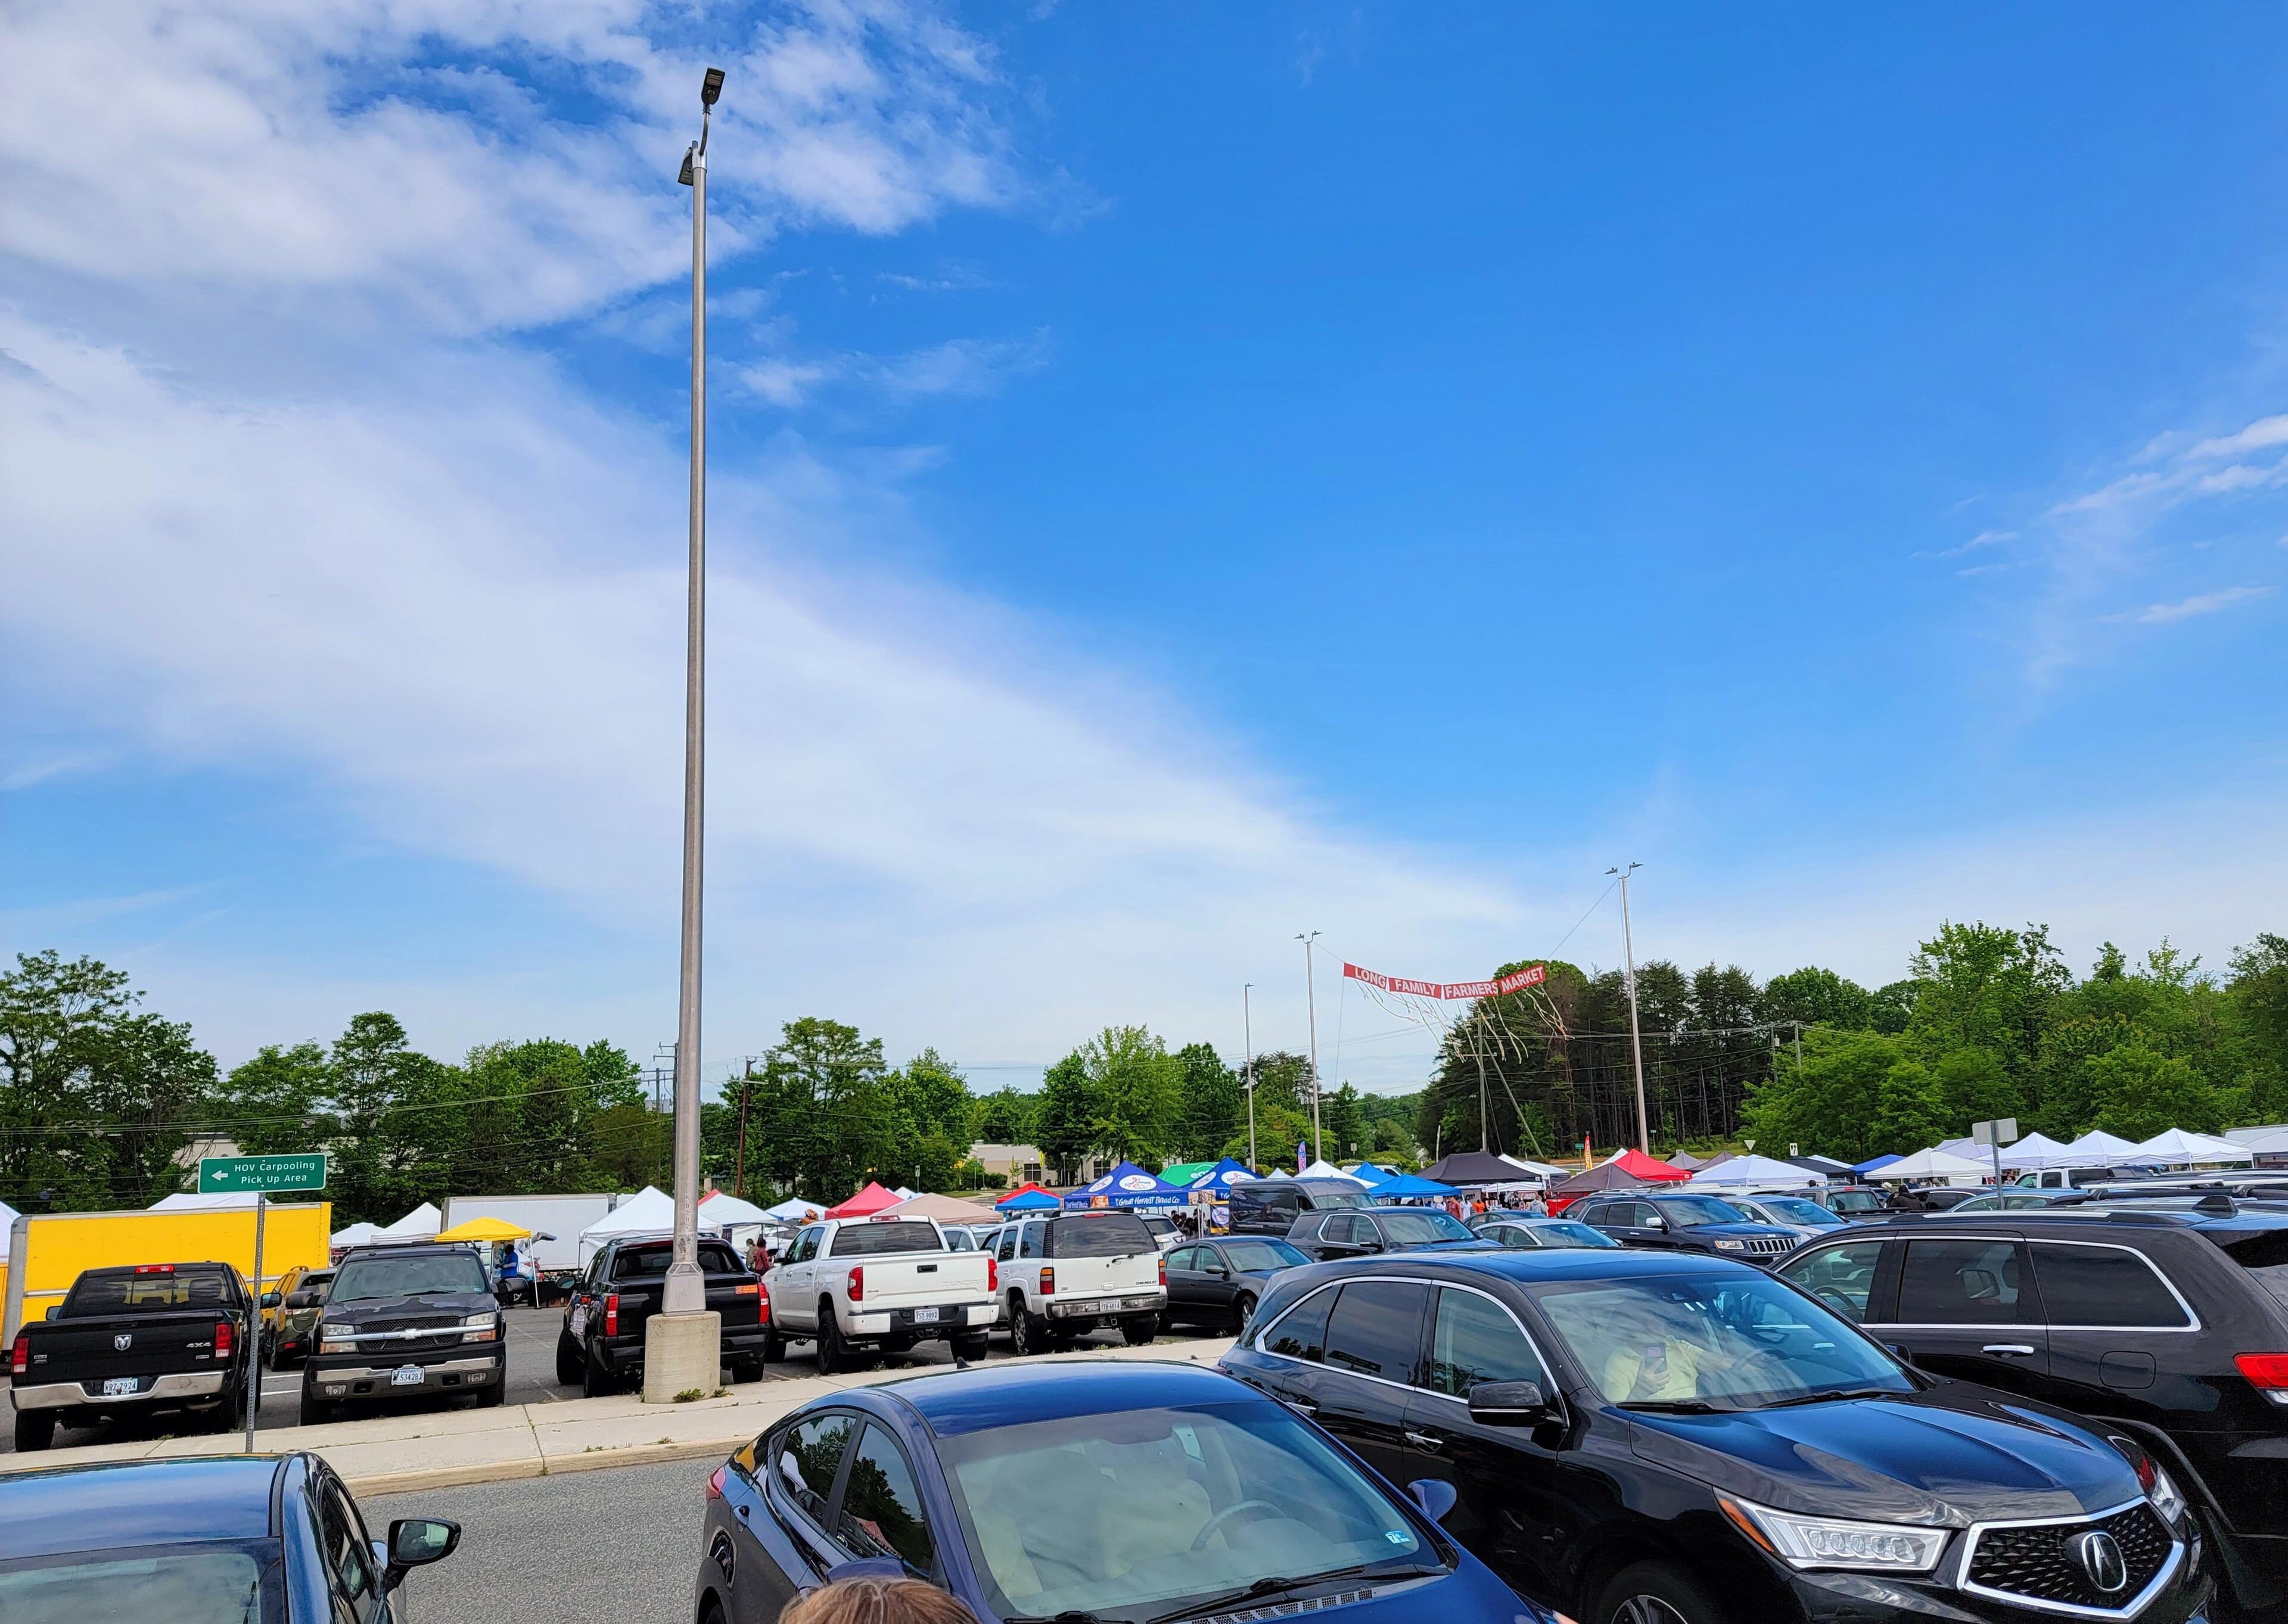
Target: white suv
x,y
1073,1272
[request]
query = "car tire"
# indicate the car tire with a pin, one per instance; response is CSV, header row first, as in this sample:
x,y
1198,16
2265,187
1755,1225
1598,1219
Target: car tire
x,y
833,1353
35,1430
1243,1310
1029,1333
568,1360
595,1380
774,1348
972,1345
1654,1593
1139,1331
230,1414
495,1393
316,1412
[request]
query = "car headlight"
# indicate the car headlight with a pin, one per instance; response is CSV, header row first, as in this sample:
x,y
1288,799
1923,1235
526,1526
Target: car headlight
x,y
1836,1542
481,1328
2160,1487
334,1338
1723,1245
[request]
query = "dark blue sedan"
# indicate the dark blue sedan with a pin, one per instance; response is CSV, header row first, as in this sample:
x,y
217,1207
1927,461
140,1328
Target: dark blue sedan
x,y
233,1540
1103,1492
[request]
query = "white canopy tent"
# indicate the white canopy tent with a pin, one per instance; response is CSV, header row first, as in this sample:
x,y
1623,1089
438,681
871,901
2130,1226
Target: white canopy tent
x,y
422,1224
2038,1151
8,1216
192,1203
795,1211
1538,1169
1752,1172
2266,1141
1322,1169
650,1211
721,1207
1931,1164
2104,1149
1967,1150
2176,1148
355,1235
2262,1130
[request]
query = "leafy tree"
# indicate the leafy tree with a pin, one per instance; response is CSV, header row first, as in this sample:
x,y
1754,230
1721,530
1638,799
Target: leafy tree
x,y
2257,1014
1139,1090
1005,1117
1987,987
1213,1108
1837,1099
2140,1093
1065,1124
822,1119
1817,997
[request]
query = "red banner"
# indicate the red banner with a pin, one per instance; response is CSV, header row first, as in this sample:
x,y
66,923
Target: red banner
x,y
1532,975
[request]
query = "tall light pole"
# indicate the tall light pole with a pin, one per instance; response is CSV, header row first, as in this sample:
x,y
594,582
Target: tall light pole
x,y
1247,1029
1636,1043
1311,993
683,1343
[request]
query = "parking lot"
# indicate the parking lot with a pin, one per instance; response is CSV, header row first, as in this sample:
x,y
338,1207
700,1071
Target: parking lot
x,y
532,1334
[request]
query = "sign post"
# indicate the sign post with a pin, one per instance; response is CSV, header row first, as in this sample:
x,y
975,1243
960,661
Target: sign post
x,y
265,1175
1994,1134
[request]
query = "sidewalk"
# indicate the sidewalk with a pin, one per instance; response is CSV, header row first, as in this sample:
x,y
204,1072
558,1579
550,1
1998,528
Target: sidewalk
x,y
391,1454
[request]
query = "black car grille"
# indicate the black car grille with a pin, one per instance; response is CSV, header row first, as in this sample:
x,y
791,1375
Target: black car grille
x,y
443,1332
1769,1245
2038,1561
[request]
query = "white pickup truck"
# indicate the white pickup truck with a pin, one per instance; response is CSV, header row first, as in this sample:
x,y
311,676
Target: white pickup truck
x,y
878,1283
1079,1270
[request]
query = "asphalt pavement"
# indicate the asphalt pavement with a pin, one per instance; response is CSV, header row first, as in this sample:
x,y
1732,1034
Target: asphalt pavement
x,y
532,1334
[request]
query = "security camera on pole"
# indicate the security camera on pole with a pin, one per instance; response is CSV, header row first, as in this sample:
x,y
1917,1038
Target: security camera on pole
x,y
683,1343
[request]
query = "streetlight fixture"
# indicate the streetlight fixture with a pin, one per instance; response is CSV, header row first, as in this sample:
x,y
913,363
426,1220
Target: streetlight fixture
x,y
1636,1043
683,1343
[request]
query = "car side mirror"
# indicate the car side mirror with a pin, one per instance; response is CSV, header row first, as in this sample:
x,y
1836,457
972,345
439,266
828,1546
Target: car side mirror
x,y
271,1299
1435,1495
1508,1404
1655,1222
867,1567
416,1541
301,1299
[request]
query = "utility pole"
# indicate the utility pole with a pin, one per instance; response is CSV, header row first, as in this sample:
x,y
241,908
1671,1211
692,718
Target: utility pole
x,y
1247,1028
739,1172
683,1343
1311,994
1636,1041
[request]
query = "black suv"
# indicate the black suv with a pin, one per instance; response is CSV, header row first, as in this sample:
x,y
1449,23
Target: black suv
x,y
405,1322
2166,1321
1367,1232
1685,1222
1270,1206
1636,1436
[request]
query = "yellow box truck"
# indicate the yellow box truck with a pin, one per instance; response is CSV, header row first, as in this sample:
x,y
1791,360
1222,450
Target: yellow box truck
x,y
46,1251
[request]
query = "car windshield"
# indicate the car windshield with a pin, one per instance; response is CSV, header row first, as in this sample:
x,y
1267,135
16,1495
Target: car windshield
x,y
1131,1514
203,1584
1685,1211
1263,1256
435,1274
639,1262
878,1239
1566,1232
1731,1340
1795,1210
1415,1229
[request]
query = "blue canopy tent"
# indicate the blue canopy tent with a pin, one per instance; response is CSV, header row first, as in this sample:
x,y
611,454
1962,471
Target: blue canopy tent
x,y
1223,1175
1028,1200
1405,1186
1873,1165
1372,1176
1127,1185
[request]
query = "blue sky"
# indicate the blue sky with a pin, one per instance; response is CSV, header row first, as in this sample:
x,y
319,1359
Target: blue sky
x,y
1181,479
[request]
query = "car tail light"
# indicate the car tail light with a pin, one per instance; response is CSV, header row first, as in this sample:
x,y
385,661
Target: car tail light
x,y
20,1357
763,1303
225,1335
857,1284
992,1277
155,1268
1048,1280
2267,1373
612,1315
1164,1267
715,1481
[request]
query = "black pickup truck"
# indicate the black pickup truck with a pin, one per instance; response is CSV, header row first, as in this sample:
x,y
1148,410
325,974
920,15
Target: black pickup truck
x,y
601,1346
135,1341
405,1322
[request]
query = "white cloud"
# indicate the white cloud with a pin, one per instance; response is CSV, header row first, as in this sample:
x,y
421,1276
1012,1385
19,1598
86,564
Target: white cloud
x,y
958,367
2203,603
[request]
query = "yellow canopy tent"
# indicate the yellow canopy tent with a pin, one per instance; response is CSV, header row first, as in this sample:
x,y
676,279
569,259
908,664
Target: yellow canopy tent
x,y
486,1229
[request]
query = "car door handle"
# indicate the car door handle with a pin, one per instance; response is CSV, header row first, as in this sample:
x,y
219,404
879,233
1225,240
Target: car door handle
x,y
1430,1441
2009,1350
1308,1406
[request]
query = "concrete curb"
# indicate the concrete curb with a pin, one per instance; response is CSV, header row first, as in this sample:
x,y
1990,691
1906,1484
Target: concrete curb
x,y
393,1455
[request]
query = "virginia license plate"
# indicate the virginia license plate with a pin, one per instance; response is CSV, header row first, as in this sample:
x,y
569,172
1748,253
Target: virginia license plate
x,y
408,1375
114,1386
925,1316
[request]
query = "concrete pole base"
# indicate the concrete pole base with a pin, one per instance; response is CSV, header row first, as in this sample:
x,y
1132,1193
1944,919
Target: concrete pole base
x,y
682,1352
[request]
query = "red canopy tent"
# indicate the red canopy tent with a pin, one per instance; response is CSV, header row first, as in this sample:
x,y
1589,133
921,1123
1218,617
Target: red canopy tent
x,y
868,1202
1636,1164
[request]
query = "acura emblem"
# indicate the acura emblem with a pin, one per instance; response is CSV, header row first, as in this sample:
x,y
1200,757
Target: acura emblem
x,y
123,1340
2100,1558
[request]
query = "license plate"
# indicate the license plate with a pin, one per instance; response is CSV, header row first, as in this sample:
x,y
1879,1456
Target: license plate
x,y
114,1386
925,1316
408,1375
579,1321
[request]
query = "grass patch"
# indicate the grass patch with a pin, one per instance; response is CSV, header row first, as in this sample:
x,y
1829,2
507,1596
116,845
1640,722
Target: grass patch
x,y
688,1395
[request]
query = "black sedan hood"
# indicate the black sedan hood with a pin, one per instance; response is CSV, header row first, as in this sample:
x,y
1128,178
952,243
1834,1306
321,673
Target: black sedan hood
x,y
1954,1454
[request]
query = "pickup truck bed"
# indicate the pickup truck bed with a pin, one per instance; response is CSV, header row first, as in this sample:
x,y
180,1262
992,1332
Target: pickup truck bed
x,y
159,1336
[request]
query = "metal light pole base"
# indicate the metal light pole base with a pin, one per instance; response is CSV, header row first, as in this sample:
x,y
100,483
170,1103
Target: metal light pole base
x,y
682,1353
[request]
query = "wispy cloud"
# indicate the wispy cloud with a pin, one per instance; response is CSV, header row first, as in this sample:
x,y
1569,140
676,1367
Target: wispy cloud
x,y
2203,603
956,367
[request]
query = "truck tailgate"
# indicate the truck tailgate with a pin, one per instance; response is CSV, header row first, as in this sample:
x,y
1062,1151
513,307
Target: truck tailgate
x,y
917,1280
1108,1277
153,1344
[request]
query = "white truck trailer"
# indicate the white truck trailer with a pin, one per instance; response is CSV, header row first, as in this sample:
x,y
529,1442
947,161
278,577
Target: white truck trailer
x,y
562,1218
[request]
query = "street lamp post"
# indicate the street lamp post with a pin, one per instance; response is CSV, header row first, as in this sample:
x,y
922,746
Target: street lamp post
x,y
683,1343
1636,1043
1247,1030
1311,993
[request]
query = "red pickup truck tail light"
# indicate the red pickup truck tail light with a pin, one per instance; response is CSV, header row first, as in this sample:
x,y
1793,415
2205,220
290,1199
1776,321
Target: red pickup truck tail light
x,y
2267,1373
224,1334
20,1357
1048,1280
763,1304
857,1284
612,1315
992,1276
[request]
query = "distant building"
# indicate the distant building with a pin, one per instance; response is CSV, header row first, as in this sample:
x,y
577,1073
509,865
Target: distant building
x,y
1012,1164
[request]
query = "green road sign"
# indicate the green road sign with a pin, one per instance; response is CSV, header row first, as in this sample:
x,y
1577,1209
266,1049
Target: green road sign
x,y
270,1175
